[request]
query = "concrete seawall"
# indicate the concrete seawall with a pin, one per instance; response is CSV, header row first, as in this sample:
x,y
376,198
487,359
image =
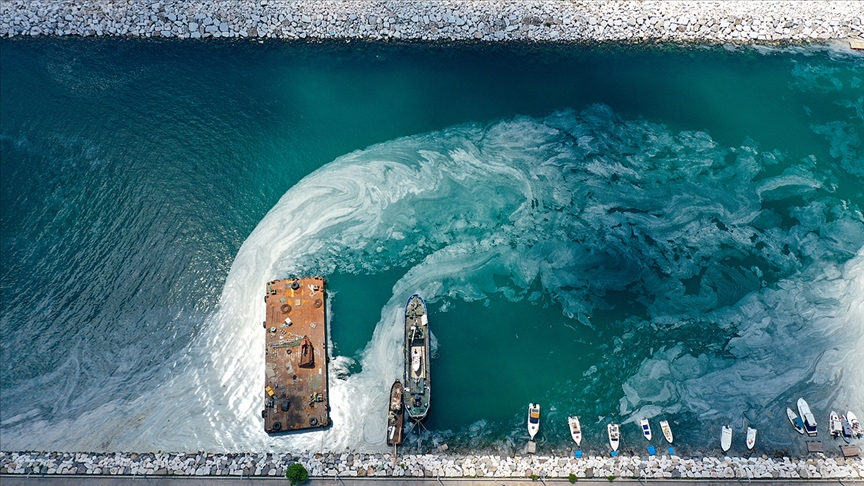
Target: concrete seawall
x,y
478,20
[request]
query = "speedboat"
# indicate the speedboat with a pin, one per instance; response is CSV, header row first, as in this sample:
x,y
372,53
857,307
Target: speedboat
x,y
726,438
845,428
751,437
807,417
533,419
614,436
667,432
835,427
796,420
575,429
855,424
646,428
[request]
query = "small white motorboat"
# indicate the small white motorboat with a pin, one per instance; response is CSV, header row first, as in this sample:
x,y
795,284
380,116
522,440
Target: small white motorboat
x,y
726,438
854,423
807,417
667,432
614,436
575,430
796,420
845,428
533,419
835,427
751,437
646,428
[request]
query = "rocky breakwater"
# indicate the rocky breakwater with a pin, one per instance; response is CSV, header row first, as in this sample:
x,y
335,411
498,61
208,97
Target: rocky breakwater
x,y
427,465
483,20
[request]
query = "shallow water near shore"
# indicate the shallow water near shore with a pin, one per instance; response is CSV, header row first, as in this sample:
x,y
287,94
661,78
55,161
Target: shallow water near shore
x,y
616,233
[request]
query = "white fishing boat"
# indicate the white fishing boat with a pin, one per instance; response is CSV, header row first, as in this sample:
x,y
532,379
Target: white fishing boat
x,y
726,438
854,423
807,417
667,431
533,419
835,427
796,420
575,430
646,428
751,437
614,436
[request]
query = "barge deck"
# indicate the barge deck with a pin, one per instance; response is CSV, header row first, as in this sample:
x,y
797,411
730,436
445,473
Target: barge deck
x,y
295,370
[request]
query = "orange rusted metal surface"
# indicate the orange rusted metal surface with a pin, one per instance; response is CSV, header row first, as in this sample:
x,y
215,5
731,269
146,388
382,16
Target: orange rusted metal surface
x,y
295,369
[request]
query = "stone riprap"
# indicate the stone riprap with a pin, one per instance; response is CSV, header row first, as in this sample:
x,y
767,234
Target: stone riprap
x,y
485,20
428,465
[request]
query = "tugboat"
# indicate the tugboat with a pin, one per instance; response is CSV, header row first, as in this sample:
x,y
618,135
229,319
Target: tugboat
x,y
417,383
395,417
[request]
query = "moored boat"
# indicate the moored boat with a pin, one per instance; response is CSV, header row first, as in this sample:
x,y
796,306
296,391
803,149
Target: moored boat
x,y
614,436
751,437
417,379
533,419
807,417
395,417
575,429
726,438
667,431
845,428
646,428
796,420
835,427
854,424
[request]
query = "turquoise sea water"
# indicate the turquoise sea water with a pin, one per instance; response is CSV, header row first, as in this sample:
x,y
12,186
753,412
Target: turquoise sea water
x,y
615,233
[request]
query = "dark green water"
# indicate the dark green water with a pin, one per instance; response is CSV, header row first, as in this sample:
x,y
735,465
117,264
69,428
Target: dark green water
x,y
613,232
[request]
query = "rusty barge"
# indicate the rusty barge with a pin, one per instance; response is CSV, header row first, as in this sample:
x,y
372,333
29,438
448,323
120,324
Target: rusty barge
x,y
295,370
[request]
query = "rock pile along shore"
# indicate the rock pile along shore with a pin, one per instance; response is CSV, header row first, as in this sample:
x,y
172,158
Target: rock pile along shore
x,y
483,20
427,465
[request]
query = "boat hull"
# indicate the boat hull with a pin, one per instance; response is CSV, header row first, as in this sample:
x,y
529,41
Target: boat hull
x,y
796,421
395,415
726,438
807,417
417,379
533,419
575,430
614,436
667,431
646,428
751,437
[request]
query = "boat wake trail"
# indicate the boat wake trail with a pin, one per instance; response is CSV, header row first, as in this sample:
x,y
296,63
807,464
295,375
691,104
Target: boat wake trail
x,y
735,243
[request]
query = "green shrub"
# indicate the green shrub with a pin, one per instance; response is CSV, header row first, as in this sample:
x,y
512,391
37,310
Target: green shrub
x,y
296,473
534,477
610,478
572,477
